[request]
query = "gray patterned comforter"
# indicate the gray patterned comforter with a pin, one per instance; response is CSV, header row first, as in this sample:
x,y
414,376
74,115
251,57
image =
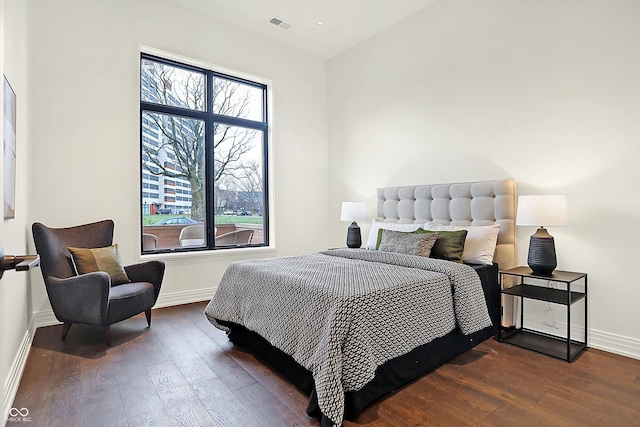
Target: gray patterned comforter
x,y
342,313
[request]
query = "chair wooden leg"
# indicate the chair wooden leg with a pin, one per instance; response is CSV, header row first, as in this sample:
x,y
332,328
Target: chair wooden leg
x,y
65,329
148,314
107,333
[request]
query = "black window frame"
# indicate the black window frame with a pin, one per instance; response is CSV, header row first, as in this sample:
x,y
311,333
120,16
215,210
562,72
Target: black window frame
x,y
209,119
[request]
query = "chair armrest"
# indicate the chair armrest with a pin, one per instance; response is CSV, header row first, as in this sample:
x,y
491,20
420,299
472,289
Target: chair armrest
x,y
80,299
148,271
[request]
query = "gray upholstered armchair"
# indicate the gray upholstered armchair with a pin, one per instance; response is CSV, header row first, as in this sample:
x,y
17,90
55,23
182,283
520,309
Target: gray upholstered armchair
x,y
91,298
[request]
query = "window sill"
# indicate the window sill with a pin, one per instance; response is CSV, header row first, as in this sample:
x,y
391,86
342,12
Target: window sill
x,y
219,253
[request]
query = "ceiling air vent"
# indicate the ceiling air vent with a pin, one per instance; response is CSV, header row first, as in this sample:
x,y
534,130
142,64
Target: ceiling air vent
x,y
279,23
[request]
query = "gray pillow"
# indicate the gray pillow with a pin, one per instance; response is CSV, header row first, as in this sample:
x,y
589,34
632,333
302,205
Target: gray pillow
x,y
449,246
407,243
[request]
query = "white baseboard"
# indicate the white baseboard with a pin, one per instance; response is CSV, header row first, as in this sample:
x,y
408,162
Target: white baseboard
x,y
624,346
41,319
612,343
185,297
15,374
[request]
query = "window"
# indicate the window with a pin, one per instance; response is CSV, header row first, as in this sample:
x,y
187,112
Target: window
x,y
202,134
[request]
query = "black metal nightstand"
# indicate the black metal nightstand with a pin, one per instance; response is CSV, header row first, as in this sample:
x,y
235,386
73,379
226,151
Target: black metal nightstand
x,y
561,347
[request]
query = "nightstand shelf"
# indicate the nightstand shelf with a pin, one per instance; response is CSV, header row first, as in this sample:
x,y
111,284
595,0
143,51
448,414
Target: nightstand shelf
x,y
561,347
556,296
543,343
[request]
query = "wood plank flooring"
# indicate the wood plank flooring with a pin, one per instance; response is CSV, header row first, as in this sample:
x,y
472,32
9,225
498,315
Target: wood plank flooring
x,y
184,372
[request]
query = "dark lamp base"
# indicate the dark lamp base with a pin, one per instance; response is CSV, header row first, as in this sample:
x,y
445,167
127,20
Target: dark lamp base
x,y
354,239
542,253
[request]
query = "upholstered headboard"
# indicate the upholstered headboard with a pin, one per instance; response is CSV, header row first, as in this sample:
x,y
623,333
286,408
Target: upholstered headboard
x,y
472,203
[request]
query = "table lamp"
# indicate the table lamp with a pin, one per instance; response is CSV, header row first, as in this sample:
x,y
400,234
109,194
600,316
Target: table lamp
x,y
541,211
353,211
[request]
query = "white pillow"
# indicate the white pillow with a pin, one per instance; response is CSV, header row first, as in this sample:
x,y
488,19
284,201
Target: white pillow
x,y
377,225
480,243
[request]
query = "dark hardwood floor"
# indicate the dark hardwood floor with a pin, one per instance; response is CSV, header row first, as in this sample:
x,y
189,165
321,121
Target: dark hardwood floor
x,y
184,372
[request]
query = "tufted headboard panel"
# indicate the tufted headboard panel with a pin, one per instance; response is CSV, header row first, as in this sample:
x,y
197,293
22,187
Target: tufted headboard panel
x,y
472,203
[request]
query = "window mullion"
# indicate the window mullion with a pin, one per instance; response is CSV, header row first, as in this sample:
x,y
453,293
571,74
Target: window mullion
x,y
209,163
235,121
174,111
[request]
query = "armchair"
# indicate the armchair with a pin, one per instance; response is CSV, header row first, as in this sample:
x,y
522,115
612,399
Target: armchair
x,y
149,242
192,235
237,237
91,298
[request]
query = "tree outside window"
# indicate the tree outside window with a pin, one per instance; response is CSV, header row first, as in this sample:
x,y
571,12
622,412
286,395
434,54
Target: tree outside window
x,y
203,145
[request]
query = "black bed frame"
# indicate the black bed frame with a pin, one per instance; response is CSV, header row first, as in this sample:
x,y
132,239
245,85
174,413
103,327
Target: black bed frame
x,y
390,375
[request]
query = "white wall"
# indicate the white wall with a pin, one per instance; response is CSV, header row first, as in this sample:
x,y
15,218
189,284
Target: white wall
x,y
14,287
86,114
79,141
545,92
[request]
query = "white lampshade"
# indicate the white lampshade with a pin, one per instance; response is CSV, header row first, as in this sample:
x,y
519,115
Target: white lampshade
x,y
542,211
353,211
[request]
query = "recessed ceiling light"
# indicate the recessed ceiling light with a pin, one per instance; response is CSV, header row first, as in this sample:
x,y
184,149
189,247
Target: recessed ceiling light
x,y
319,23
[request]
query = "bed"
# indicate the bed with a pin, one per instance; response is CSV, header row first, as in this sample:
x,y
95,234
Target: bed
x,y
347,326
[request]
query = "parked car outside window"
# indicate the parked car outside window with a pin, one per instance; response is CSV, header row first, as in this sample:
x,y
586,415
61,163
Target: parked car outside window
x,y
179,220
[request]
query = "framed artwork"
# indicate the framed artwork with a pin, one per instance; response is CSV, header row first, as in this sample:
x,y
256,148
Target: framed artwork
x,y
9,151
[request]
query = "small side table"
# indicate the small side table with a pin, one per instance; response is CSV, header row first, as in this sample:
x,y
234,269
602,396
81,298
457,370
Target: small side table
x,y
561,347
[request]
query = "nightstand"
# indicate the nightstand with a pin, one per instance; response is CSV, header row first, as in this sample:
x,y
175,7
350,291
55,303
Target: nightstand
x,y
561,347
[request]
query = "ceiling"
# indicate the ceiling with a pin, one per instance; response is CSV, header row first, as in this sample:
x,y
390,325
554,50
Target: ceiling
x,y
345,23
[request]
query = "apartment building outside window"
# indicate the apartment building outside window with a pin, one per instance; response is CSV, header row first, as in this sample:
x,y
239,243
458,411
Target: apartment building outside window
x,y
203,149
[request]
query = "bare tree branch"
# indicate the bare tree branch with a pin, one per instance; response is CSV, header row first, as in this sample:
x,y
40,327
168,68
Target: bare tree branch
x,y
180,151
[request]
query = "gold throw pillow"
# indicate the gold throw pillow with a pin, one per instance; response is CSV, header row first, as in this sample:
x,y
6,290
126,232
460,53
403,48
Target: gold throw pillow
x,y
100,259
